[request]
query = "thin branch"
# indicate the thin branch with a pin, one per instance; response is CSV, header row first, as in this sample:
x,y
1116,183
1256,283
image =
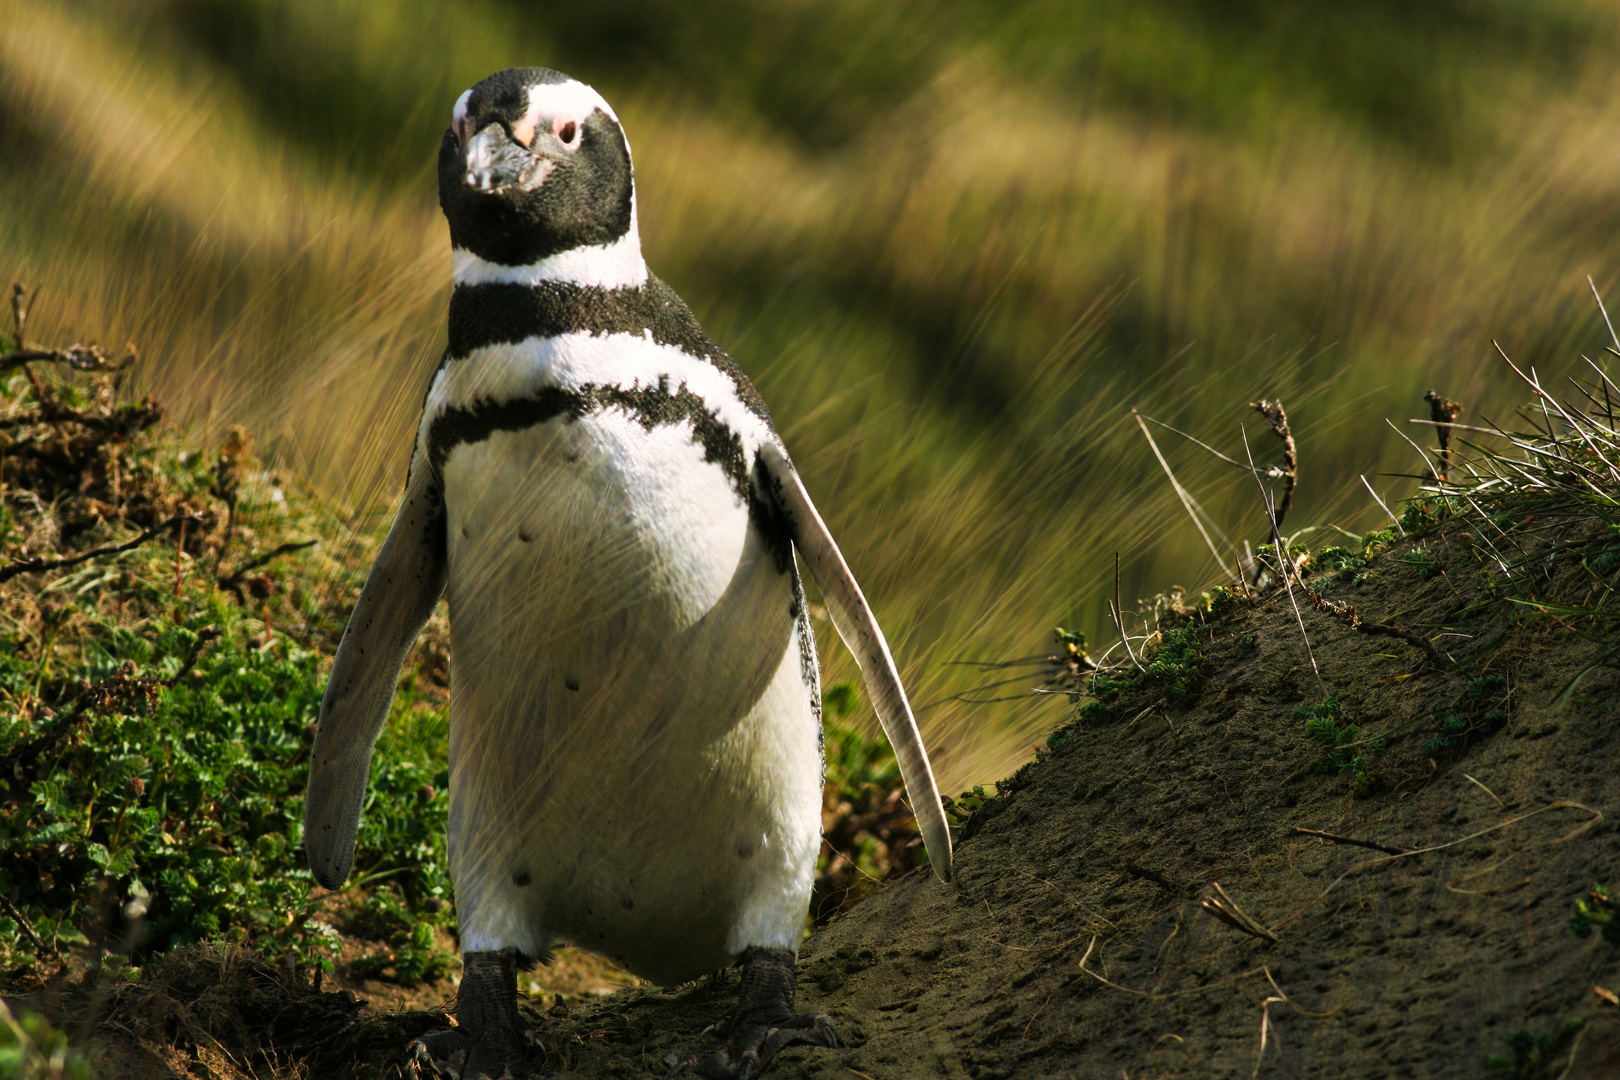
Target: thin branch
x,y
1283,567
233,580
1561,804
1350,840
33,566
1278,419
1443,413
77,357
27,929
1347,612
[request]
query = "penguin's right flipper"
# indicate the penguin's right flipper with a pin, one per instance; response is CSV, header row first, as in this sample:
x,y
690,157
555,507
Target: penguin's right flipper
x,y
858,627
405,583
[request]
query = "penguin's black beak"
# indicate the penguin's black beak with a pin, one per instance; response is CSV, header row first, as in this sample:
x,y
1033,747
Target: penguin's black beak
x,y
494,162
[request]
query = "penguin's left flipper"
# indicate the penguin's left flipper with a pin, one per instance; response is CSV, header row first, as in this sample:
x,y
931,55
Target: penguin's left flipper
x,y
859,629
763,1023
405,583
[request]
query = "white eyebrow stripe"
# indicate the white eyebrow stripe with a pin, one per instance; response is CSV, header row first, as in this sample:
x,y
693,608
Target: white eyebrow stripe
x,y
566,97
459,113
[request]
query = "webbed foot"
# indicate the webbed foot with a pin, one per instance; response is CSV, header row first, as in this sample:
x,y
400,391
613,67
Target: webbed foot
x,y
763,1023
490,1041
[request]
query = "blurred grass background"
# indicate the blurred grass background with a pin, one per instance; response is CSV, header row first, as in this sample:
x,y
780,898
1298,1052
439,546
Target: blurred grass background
x,y
952,243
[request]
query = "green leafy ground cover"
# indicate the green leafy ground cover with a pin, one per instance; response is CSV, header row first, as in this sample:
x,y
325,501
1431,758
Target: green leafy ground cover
x,y
161,668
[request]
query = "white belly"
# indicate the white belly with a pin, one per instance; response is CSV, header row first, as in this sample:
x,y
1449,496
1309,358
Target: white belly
x,y
634,754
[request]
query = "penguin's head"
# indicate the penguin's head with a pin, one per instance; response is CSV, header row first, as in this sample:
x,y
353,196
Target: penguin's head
x,y
534,164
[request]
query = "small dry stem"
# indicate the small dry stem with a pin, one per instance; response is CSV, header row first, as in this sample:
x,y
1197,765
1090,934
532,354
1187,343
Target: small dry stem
x,y
1443,413
1278,419
1224,908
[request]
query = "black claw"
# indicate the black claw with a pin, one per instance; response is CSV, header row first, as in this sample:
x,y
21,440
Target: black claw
x,y
763,1023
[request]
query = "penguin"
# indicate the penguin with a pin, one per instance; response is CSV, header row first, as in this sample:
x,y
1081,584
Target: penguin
x,y
598,490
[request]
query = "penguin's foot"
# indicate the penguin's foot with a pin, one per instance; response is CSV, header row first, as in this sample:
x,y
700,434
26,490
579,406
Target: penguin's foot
x,y
763,1023
490,1041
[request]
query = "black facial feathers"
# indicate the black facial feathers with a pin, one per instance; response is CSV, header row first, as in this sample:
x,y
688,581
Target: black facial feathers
x,y
584,200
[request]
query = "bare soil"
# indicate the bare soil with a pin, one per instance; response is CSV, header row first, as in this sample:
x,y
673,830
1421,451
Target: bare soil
x,y
1077,939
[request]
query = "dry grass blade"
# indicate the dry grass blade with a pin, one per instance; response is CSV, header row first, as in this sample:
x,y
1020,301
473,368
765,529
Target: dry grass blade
x,y
1393,519
1349,840
1187,501
1224,908
1118,614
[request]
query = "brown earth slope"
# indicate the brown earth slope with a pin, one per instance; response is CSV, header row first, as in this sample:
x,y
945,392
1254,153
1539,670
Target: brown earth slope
x,y
1078,937
1073,941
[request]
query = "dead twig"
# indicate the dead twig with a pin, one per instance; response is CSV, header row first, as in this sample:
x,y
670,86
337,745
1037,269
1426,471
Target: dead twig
x,y
1283,567
1348,613
19,309
1278,419
34,566
1224,908
1561,804
1442,412
26,928
1350,840
78,357
234,580
1137,870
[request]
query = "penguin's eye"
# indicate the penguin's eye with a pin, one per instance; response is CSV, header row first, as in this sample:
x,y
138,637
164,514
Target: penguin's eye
x,y
567,133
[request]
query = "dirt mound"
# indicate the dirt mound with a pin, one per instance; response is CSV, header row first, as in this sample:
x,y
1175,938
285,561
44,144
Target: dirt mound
x,y
1077,939
1221,871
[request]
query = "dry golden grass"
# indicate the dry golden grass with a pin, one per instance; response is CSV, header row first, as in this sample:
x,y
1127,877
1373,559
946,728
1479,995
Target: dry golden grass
x,y
949,307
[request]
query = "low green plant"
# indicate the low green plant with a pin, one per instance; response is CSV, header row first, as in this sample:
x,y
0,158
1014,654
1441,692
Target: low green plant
x,y
1093,712
160,705
1377,541
1596,910
1105,688
412,954
1347,753
1174,662
1528,1050
1220,602
1420,559
32,1049
1457,727
1339,562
